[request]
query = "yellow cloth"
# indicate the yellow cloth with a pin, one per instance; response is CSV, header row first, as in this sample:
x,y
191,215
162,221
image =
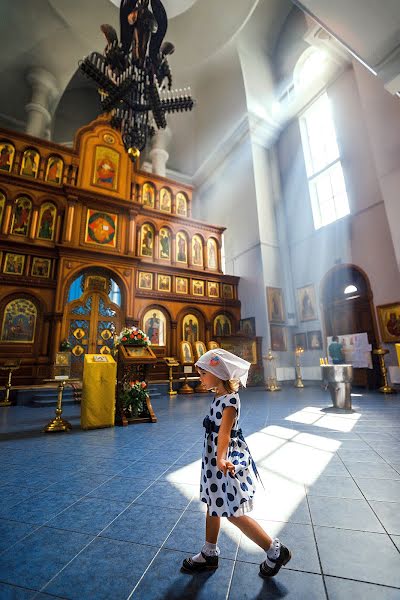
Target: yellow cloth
x,y
398,353
98,392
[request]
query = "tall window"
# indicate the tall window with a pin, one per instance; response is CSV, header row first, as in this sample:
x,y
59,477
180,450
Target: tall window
x,y
324,170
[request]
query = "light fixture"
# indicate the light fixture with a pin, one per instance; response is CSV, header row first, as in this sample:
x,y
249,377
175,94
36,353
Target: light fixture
x,y
133,76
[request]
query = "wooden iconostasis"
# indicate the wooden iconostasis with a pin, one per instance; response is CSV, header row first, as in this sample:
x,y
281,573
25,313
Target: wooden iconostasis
x,y
89,244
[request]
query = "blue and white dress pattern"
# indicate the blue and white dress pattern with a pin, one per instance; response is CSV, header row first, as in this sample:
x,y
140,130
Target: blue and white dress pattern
x,y
226,495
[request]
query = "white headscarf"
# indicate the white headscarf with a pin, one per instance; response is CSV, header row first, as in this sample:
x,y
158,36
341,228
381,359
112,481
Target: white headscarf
x,y
224,365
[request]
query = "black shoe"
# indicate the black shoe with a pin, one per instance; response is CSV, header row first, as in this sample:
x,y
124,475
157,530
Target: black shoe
x,y
190,566
284,556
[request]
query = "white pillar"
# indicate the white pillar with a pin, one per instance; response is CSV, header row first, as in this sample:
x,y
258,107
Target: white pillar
x,y
44,90
158,153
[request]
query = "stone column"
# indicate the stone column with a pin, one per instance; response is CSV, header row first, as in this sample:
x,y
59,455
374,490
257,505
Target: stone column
x,y
158,153
44,90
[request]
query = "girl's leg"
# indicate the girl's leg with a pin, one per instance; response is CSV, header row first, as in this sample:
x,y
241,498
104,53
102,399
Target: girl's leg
x,y
212,528
252,530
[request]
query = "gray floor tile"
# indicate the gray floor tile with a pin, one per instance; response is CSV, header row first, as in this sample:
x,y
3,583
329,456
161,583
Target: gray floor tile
x,y
334,487
379,489
342,589
291,585
396,540
389,514
373,557
372,470
343,513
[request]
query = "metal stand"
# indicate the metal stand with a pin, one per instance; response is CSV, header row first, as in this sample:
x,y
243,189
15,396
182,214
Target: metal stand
x,y
385,389
299,381
10,368
272,383
58,424
185,387
171,363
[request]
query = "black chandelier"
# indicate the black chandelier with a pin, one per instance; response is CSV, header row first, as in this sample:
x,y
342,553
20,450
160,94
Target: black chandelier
x,y
133,76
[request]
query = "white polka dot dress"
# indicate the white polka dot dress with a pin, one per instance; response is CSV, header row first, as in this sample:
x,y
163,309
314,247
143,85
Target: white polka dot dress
x,y
226,495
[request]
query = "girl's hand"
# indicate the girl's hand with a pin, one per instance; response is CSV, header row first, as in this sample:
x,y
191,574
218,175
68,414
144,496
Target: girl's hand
x,y
226,466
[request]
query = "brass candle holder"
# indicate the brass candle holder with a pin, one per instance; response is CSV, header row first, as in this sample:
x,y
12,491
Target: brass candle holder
x,y
272,382
385,389
58,423
298,381
171,362
9,366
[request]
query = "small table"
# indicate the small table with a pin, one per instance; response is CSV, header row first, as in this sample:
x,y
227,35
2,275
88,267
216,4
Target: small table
x,y
10,366
59,424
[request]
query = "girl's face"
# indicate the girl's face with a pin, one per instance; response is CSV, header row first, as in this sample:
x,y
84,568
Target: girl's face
x,y
209,380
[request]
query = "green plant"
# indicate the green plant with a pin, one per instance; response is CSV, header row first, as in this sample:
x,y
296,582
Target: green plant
x,y
134,396
65,345
132,336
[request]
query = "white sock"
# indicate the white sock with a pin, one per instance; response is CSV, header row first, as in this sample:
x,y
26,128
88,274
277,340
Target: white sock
x,y
273,552
209,550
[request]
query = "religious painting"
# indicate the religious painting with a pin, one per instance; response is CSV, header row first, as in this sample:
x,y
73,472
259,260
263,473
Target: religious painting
x,y
276,311
54,170
2,205
165,243
30,163
307,303
227,291
278,338
389,322
198,287
248,326
154,326
314,340
22,216
211,345
300,341
19,321
222,325
148,195
7,152
106,164
213,289
146,240
197,251
181,285
101,228
246,349
163,283
199,349
212,253
41,267
186,353
14,264
190,328
165,200
47,219
181,204
145,281
181,247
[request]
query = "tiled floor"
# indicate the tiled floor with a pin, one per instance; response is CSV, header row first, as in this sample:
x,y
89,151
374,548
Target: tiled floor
x,y
110,514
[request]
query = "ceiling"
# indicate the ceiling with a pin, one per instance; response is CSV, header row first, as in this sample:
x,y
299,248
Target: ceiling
x,y
55,34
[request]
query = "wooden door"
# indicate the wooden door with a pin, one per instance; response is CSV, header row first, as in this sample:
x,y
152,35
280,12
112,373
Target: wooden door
x,y
89,326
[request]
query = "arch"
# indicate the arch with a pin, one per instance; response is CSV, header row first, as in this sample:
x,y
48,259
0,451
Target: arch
x,y
47,221
146,240
221,322
338,278
155,321
3,200
78,271
212,254
165,199
54,169
181,204
201,319
197,247
7,154
30,163
148,195
22,214
181,247
309,66
22,316
165,242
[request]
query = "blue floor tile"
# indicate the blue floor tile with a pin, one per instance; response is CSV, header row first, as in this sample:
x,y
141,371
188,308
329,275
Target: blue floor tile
x,y
11,532
10,592
88,515
40,508
40,556
105,570
124,489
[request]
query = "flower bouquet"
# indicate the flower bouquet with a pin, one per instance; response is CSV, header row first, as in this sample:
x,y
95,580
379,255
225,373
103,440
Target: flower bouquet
x,y
134,397
132,336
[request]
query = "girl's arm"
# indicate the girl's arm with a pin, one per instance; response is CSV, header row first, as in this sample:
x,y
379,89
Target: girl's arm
x,y
224,435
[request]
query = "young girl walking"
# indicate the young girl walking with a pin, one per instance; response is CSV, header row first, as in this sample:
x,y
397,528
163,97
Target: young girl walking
x,y
228,471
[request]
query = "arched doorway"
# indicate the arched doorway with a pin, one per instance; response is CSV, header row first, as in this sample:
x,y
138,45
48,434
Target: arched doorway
x,y
92,316
347,307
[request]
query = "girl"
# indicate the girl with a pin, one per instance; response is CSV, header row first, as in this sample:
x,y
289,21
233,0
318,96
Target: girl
x,y
228,471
